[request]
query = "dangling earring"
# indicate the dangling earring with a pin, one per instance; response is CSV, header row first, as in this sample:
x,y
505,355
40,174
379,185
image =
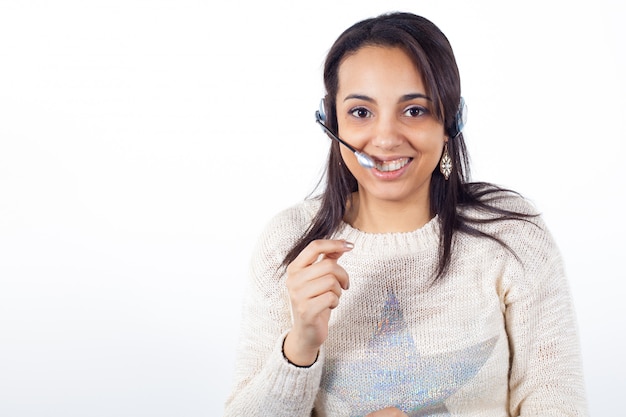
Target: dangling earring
x,y
445,165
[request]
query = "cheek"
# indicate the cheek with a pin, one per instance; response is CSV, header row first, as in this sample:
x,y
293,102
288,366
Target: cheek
x,y
351,162
429,145
430,151
349,159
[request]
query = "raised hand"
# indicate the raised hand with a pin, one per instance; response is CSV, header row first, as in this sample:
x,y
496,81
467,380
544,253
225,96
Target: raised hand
x,y
315,282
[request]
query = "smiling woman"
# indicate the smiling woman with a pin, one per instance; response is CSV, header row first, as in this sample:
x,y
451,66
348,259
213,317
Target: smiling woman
x,y
404,289
383,108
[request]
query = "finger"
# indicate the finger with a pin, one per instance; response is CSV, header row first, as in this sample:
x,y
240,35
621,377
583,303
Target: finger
x,y
301,297
330,248
322,285
325,267
312,309
332,268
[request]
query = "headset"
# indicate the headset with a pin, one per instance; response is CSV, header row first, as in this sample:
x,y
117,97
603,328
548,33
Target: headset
x,y
366,161
460,119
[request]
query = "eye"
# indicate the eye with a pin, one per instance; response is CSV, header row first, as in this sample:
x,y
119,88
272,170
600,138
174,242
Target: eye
x,y
415,111
360,112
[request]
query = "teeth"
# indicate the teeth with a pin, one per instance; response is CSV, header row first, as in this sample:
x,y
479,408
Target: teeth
x,y
387,166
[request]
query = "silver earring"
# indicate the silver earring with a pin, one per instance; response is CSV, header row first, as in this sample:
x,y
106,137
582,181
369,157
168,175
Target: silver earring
x,y
445,165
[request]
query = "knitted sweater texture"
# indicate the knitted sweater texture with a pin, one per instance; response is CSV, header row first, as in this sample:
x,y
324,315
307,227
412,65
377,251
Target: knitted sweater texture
x,y
496,336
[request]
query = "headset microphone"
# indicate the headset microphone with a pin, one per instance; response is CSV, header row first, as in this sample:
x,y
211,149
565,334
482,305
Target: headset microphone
x,y
364,159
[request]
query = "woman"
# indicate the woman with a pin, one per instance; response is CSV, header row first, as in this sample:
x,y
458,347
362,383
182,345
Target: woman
x,y
404,289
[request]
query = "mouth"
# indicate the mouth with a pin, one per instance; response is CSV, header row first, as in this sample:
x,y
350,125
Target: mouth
x,y
392,165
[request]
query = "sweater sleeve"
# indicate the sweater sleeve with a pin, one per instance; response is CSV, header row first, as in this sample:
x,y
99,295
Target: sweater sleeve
x,y
546,372
265,383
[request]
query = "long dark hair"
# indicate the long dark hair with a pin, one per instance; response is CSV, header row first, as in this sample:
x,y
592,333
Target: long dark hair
x,y
432,54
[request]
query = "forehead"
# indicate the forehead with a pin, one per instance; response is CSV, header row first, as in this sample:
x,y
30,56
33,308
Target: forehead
x,y
379,68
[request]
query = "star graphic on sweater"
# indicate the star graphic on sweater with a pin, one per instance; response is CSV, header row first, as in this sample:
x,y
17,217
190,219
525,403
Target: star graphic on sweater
x,y
395,374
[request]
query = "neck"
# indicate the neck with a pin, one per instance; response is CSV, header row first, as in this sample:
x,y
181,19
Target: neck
x,y
376,216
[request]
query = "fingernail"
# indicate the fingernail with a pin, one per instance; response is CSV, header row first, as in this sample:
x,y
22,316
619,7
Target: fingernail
x,y
349,245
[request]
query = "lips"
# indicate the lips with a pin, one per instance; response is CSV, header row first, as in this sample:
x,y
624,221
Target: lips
x,y
392,165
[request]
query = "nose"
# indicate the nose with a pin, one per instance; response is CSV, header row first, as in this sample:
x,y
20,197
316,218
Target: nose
x,y
387,134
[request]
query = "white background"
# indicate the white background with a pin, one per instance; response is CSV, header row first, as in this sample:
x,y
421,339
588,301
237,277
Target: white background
x,y
144,144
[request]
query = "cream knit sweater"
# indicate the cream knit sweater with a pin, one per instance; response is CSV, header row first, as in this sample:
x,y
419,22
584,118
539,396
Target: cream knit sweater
x,y
496,336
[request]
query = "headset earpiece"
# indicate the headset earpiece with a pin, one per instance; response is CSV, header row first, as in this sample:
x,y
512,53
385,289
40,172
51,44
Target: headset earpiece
x,y
460,119
320,115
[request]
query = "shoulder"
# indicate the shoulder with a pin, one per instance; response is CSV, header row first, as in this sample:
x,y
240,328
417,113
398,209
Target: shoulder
x,y
509,217
281,233
516,222
290,223
490,200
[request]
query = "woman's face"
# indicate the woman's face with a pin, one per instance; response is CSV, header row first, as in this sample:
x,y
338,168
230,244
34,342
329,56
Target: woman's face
x,y
384,111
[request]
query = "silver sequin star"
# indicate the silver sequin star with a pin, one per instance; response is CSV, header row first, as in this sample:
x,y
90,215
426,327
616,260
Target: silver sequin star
x,y
395,374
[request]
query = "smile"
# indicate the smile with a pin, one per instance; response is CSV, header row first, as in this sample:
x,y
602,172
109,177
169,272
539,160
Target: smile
x,y
394,165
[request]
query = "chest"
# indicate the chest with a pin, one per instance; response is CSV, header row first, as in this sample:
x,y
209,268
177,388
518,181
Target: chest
x,y
400,339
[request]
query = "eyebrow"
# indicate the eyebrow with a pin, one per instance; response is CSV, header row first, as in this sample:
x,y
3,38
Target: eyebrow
x,y
406,97
413,96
